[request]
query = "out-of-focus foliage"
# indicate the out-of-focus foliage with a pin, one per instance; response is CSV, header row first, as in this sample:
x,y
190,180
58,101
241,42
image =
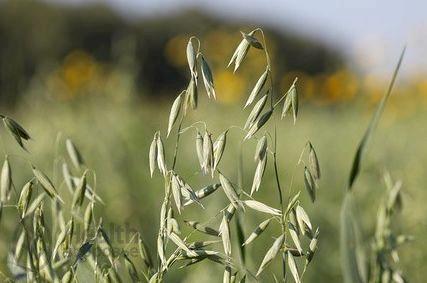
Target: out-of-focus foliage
x,y
89,49
77,44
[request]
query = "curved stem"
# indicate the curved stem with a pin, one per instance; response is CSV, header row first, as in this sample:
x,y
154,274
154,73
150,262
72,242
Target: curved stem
x,y
198,42
267,56
276,174
193,126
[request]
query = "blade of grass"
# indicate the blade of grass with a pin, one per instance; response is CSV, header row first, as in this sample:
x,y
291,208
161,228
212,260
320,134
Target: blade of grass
x,y
357,160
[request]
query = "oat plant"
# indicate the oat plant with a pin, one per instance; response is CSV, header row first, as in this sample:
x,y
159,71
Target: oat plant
x,y
56,227
264,108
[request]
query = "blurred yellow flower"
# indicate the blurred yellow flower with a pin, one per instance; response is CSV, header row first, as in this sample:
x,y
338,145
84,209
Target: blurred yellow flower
x,y
340,86
79,74
78,70
229,87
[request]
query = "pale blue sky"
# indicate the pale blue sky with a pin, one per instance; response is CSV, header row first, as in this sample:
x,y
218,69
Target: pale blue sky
x,y
371,32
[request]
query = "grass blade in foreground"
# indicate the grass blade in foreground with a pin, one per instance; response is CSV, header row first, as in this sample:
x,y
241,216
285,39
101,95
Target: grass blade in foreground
x,y
354,264
357,160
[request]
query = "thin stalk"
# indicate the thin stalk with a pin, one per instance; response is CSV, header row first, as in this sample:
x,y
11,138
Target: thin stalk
x,y
193,126
175,155
276,174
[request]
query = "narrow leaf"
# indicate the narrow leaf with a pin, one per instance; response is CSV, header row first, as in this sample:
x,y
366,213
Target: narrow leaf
x,y
357,160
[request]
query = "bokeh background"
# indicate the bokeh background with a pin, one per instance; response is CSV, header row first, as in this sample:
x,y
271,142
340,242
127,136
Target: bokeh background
x,y
105,74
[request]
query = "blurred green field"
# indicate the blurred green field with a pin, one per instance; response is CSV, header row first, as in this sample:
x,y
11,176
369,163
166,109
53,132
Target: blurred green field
x,y
114,136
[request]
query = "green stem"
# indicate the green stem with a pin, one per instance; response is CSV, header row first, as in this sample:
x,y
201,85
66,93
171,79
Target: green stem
x,y
276,174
